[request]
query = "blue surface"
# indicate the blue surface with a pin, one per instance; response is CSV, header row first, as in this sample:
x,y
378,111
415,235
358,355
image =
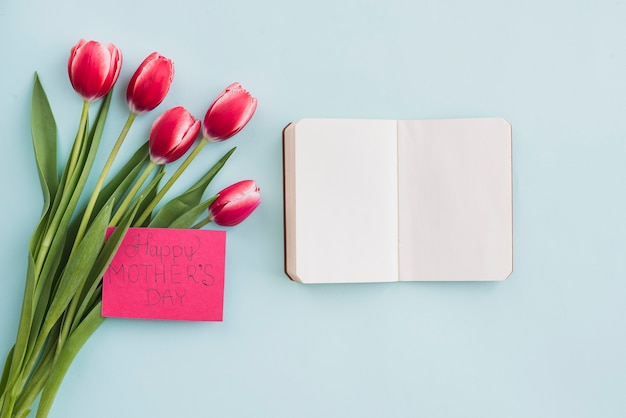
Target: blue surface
x,y
548,342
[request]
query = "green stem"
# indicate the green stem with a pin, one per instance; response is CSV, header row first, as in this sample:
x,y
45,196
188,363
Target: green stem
x,y
131,194
105,172
201,223
171,181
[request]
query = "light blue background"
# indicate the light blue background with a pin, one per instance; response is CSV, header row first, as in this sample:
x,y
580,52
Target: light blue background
x,y
548,342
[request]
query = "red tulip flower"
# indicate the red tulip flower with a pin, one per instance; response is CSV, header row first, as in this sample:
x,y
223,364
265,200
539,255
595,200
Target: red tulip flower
x,y
94,68
172,134
235,203
229,113
150,83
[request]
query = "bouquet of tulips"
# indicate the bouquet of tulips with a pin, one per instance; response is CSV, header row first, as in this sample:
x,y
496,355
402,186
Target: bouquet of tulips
x,y
68,252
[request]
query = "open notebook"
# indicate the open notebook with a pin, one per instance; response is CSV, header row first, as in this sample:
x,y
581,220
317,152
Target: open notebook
x,y
386,200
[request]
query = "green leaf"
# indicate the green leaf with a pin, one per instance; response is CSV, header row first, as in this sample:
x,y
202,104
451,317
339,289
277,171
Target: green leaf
x,y
107,253
78,267
44,138
25,414
21,347
44,134
149,192
188,217
168,214
121,182
115,189
93,142
50,276
5,371
69,177
194,194
40,294
172,210
36,381
53,243
75,342
61,243
45,288
83,327
50,241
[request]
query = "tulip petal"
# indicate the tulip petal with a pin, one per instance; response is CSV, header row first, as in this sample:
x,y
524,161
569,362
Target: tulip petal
x,y
115,61
229,113
187,138
90,67
150,83
93,68
235,203
172,134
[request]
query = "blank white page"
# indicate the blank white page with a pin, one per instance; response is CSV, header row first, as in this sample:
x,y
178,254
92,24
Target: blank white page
x,y
455,199
343,209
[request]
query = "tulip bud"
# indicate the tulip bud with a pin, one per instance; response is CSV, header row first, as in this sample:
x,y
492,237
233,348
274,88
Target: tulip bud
x,y
229,113
150,83
235,203
93,68
172,134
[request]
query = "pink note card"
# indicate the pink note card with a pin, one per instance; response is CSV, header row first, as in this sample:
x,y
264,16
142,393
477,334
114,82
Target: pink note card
x,y
160,273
